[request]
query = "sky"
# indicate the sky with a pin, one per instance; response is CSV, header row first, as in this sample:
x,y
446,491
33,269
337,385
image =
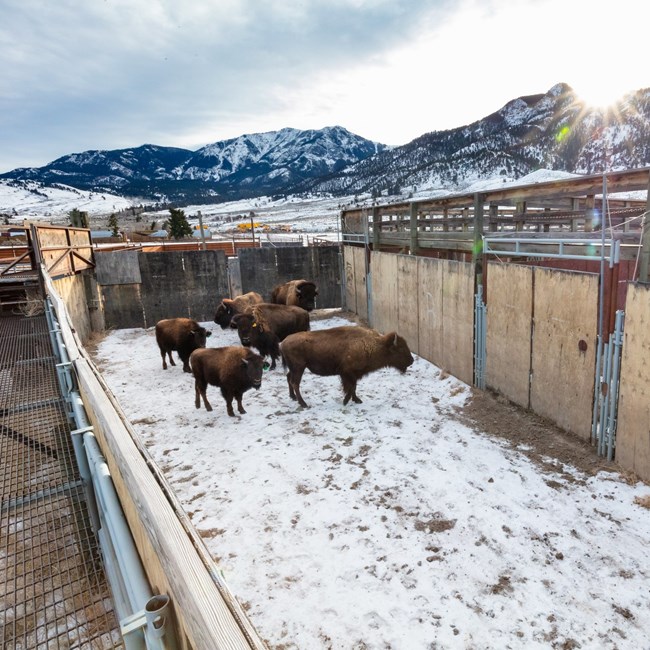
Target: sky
x,y
392,523
112,74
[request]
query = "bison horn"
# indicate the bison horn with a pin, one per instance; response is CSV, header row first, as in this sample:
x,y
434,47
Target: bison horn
x,y
245,361
227,302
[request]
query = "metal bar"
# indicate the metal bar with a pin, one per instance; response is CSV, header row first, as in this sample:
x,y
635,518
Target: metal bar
x,y
602,433
19,502
614,387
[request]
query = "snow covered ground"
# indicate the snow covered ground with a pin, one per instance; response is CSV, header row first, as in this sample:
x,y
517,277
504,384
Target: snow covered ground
x,y
389,524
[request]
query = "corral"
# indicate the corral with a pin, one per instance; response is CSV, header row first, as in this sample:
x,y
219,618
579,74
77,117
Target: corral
x,y
532,345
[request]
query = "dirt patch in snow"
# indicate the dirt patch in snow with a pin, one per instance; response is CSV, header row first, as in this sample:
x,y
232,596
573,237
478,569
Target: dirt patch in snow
x,y
537,438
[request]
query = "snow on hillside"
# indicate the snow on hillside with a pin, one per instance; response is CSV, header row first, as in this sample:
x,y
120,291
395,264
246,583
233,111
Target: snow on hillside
x,y
32,200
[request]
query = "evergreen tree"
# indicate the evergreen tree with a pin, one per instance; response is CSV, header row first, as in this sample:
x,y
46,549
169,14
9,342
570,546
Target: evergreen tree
x,y
178,225
114,225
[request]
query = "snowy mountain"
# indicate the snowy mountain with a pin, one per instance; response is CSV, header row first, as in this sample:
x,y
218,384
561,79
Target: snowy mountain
x,y
250,165
554,131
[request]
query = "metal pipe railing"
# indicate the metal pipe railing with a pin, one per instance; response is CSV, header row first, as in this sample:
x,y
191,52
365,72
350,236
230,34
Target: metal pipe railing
x,y
143,617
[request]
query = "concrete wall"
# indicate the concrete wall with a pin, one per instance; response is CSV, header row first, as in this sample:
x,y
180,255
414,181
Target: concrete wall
x,y
261,269
633,432
138,289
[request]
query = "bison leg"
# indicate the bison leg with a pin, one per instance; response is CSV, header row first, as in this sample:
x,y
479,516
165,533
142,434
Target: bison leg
x,y
229,408
164,362
350,389
199,389
171,359
228,396
294,378
240,406
292,393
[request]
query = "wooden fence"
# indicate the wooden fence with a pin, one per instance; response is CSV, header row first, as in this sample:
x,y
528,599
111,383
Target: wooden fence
x,y
541,337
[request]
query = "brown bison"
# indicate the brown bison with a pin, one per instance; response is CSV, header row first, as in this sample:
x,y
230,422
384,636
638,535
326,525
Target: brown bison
x,y
235,370
349,352
296,292
265,325
181,334
230,307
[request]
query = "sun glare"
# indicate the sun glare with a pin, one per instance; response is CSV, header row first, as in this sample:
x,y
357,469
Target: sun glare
x,y
600,94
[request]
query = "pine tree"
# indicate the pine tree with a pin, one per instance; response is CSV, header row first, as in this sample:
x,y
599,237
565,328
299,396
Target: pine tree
x,y
114,225
178,225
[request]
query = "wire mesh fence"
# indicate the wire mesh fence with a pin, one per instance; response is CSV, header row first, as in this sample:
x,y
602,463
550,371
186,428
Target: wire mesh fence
x,y
53,590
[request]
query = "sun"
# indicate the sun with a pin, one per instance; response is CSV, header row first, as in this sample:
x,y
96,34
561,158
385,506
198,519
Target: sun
x,y
600,93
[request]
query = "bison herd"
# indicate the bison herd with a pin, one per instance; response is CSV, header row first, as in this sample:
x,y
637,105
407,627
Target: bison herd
x,y
279,329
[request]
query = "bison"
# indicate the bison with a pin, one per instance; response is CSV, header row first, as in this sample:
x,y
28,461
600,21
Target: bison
x,y
350,352
230,307
181,334
265,325
296,292
235,370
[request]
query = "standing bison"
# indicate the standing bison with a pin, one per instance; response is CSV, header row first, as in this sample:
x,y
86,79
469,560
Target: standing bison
x,y
231,307
349,352
235,370
181,334
296,292
265,325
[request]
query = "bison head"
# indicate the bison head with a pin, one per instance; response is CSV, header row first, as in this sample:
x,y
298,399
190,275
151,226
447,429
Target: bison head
x,y
247,328
397,352
200,335
224,313
253,367
306,293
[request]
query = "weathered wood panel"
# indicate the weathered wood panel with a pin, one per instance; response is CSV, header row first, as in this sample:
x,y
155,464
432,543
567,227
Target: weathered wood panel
x,y
72,290
565,320
430,315
633,432
385,312
458,320
356,298
509,330
65,250
408,295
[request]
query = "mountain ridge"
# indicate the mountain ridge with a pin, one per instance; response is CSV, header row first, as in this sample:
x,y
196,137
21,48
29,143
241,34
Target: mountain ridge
x,y
552,130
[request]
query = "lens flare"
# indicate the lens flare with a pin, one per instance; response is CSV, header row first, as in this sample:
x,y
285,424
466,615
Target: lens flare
x,y
562,133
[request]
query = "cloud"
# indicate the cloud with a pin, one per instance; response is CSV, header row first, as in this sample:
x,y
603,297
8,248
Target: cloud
x,y
113,74
117,73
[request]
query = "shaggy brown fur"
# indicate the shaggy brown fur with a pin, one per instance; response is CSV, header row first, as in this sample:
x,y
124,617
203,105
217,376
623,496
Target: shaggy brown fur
x,y
181,334
231,307
296,292
265,325
349,352
235,370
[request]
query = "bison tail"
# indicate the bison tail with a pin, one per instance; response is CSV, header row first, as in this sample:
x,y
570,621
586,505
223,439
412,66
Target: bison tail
x,y
284,361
